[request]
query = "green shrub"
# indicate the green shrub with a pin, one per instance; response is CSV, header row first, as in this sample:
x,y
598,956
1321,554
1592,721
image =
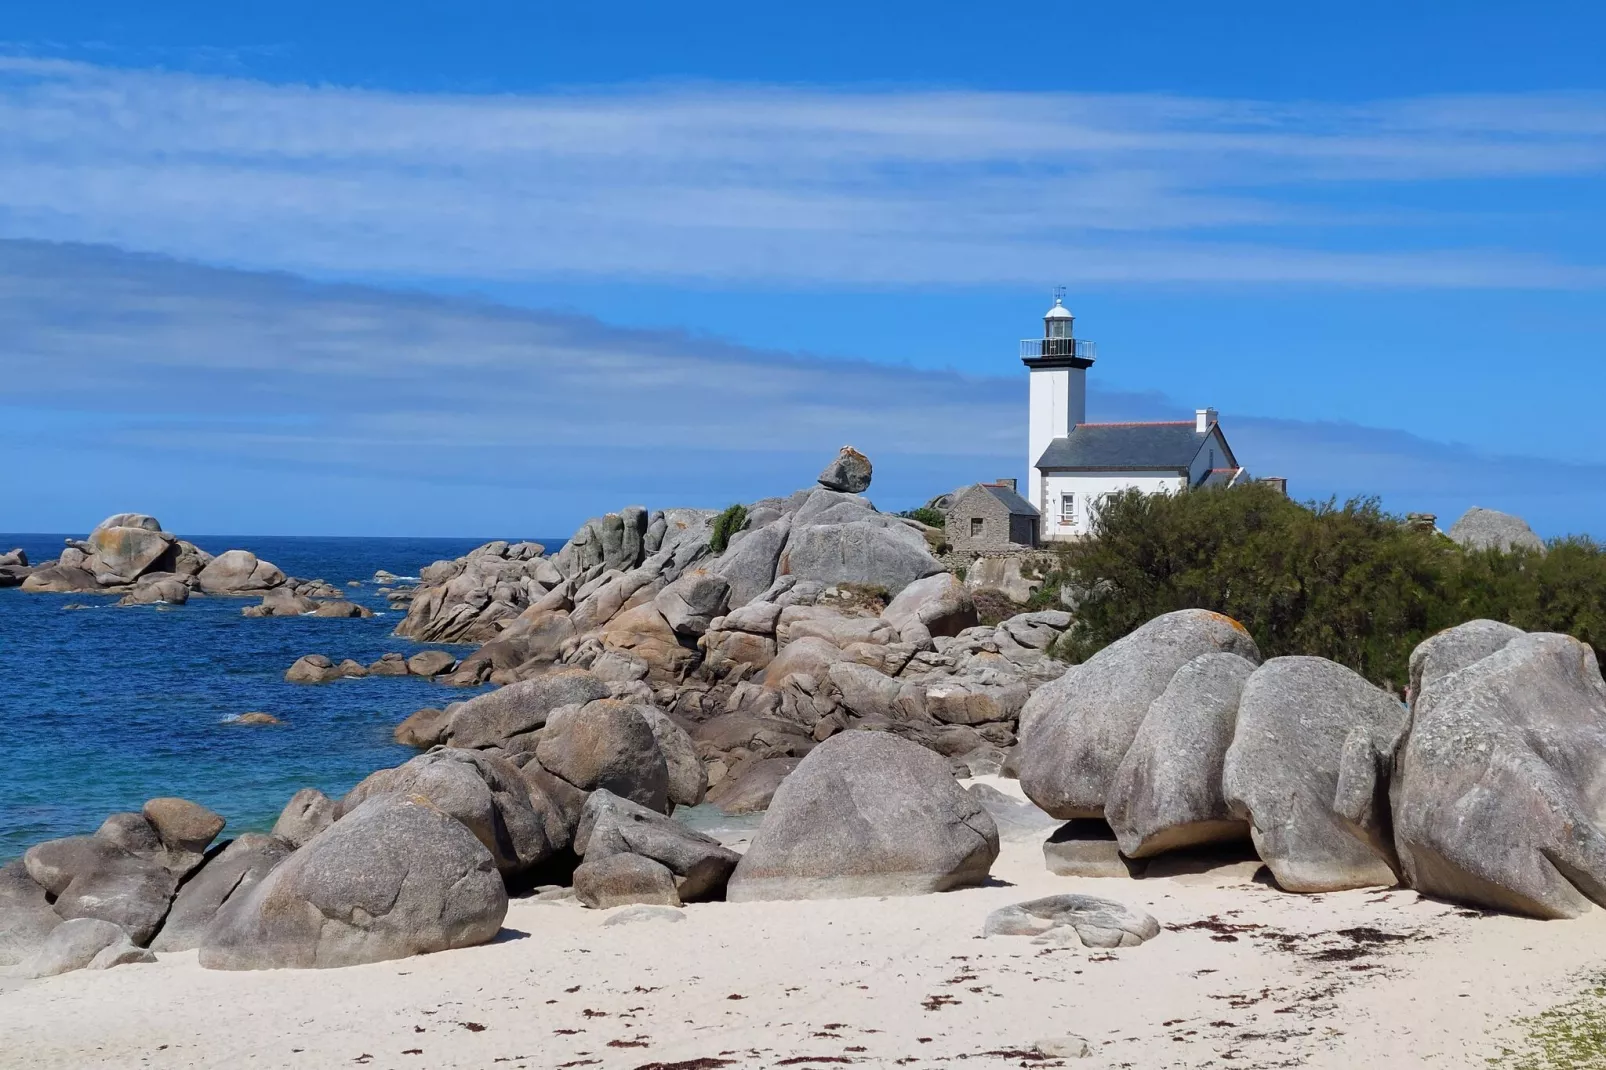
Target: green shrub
x,y
726,524
932,518
1350,583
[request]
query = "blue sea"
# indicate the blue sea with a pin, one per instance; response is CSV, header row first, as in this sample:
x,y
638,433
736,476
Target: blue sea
x,y
104,707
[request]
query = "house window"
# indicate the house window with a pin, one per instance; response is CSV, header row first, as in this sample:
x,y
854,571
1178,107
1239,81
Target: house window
x,y
975,527
1068,510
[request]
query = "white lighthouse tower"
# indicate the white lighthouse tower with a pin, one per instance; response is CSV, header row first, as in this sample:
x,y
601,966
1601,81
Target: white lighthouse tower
x,y
1058,364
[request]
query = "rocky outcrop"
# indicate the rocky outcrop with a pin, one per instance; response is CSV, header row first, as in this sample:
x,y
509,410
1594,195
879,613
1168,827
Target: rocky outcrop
x,y
867,814
504,715
1167,793
239,572
1076,731
1488,529
320,669
1495,793
465,600
1281,774
14,568
130,554
393,878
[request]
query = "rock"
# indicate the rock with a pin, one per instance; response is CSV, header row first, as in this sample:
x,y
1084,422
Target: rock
x,y
1166,793
341,609
1003,574
1496,787
865,691
308,813
1282,769
750,789
312,669
688,780
393,878
1016,820
621,879
807,622
25,914
493,718
431,663
186,829
389,665
643,632
557,802
1085,847
486,793
630,915
1075,731
1455,648
850,472
157,587
59,579
93,878
423,728
121,553
870,551
142,521
867,814
280,602
1069,1046
81,943
1487,529
936,605
471,599
750,563
350,669
692,601
235,870
252,719
810,656
236,572
1096,922
735,653
606,744
610,825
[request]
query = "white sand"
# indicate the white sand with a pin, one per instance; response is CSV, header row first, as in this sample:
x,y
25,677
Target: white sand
x,y
878,982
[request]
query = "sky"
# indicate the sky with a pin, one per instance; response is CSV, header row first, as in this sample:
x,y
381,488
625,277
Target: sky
x,y
492,268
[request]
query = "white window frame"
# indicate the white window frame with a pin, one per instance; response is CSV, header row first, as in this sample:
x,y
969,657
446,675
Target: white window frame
x,y
1068,510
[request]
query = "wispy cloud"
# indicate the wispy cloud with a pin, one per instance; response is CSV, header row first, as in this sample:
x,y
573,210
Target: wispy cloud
x,y
752,184
233,401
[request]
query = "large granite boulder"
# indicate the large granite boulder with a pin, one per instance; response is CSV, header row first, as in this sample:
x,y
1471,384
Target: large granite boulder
x,y
866,813
1075,731
238,572
59,579
610,825
234,870
1089,920
618,880
750,563
25,914
497,716
607,744
185,828
1166,793
692,601
688,778
94,878
393,878
155,588
121,552
1489,529
1455,648
486,793
871,549
849,472
936,605
308,813
84,944
1497,788
1295,721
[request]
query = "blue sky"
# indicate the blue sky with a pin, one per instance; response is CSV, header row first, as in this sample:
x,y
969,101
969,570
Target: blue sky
x,y
398,269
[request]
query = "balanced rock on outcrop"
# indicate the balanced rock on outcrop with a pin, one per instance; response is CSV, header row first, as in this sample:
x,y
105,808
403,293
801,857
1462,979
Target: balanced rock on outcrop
x,y
867,814
1496,789
1489,529
1166,793
1296,718
850,472
1075,731
393,878
610,825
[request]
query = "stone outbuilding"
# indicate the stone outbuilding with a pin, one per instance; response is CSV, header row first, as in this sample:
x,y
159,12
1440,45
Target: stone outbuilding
x,y
990,517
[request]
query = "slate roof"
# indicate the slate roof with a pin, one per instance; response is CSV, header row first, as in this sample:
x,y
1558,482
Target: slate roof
x,y
1016,505
1168,447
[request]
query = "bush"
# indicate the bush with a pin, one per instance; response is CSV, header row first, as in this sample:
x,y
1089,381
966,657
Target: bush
x,y
726,524
932,518
1351,583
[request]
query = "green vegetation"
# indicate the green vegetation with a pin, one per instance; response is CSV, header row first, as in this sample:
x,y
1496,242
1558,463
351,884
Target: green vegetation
x,y
932,518
726,524
1350,583
1571,1036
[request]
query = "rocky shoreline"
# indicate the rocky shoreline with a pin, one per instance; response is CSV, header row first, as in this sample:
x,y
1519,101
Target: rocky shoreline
x,y
824,669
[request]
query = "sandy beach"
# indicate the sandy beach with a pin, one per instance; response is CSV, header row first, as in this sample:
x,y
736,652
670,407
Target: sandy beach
x,y
1242,976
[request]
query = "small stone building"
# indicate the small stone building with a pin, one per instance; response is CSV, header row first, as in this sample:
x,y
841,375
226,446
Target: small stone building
x,y
990,517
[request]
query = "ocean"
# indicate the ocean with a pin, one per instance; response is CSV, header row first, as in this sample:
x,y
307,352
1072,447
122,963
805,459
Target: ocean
x,y
104,707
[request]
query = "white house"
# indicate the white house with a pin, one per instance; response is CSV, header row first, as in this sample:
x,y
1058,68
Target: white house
x,y
1074,464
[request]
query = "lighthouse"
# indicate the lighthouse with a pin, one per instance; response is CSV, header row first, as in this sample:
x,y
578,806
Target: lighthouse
x,y
1057,364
